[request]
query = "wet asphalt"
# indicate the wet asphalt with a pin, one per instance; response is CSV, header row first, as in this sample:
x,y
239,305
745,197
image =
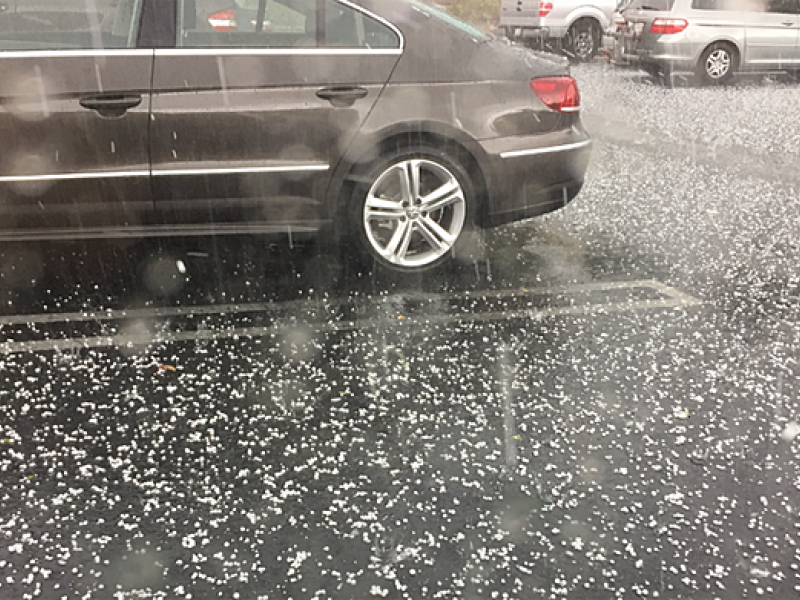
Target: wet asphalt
x,y
601,403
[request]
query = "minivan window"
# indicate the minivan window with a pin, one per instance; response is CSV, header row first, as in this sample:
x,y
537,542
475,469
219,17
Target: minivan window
x,y
717,5
791,7
69,24
282,24
770,6
660,5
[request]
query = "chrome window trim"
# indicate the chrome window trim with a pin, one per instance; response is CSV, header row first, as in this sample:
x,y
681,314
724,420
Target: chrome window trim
x,y
72,176
239,170
227,51
546,150
162,173
86,53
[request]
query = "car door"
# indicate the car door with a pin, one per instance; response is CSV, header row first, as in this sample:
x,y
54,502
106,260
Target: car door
x,y
772,34
74,102
254,106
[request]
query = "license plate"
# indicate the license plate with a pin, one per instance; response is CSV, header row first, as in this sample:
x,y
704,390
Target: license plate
x,y
638,28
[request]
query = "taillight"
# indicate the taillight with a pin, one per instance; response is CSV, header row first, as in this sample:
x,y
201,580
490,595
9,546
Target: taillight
x,y
265,26
224,20
545,8
558,93
667,26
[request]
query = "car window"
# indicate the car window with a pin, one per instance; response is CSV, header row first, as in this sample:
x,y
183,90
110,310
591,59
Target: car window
x,y
660,5
346,27
783,6
282,24
69,24
717,5
770,6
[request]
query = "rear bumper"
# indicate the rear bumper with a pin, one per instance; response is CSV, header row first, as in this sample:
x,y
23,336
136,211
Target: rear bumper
x,y
624,52
525,32
533,175
671,52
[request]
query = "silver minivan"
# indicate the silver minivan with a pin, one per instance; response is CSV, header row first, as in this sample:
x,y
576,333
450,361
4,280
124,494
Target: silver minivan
x,y
712,38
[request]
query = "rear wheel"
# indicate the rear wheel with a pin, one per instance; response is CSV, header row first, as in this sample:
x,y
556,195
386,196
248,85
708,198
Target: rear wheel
x,y
583,39
414,210
717,64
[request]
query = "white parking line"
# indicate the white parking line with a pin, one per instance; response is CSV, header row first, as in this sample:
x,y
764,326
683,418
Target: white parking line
x,y
671,298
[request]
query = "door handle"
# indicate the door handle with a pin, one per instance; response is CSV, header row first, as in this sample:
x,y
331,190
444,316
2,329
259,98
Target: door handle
x,y
111,106
342,97
788,23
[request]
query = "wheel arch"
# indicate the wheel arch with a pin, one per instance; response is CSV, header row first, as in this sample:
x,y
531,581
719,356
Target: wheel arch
x,y
737,51
589,13
367,149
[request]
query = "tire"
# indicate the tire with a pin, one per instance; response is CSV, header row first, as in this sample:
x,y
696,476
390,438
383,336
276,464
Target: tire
x,y
583,40
717,64
652,70
402,231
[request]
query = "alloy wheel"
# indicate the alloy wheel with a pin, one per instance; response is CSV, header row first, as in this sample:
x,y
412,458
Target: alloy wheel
x,y
583,44
414,213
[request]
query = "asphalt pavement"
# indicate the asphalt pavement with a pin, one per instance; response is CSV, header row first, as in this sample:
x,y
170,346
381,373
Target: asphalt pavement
x,y
600,403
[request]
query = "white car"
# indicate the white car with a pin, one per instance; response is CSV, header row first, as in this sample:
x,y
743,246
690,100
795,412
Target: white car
x,y
574,26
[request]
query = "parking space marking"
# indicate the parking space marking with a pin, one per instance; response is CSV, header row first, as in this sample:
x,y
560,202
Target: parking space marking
x,y
670,298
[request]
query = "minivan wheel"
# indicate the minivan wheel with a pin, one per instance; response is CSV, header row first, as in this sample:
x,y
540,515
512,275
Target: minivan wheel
x,y
717,64
413,210
584,38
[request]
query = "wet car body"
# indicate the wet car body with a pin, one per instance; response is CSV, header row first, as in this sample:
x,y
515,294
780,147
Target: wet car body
x,y
161,126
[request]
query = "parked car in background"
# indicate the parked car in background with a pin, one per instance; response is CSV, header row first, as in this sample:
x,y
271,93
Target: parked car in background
x,y
573,26
616,33
399,125
713,39
242,15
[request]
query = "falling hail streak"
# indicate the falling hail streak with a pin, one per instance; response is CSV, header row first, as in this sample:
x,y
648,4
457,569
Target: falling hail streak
x,y
223,81
509,419
42,94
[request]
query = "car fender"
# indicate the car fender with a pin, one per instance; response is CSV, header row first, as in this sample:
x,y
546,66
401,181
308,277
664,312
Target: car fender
x,y
366,147
725,39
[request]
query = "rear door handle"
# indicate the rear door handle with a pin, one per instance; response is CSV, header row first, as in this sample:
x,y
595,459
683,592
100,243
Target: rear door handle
x,y
342,96
788,23
111,106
